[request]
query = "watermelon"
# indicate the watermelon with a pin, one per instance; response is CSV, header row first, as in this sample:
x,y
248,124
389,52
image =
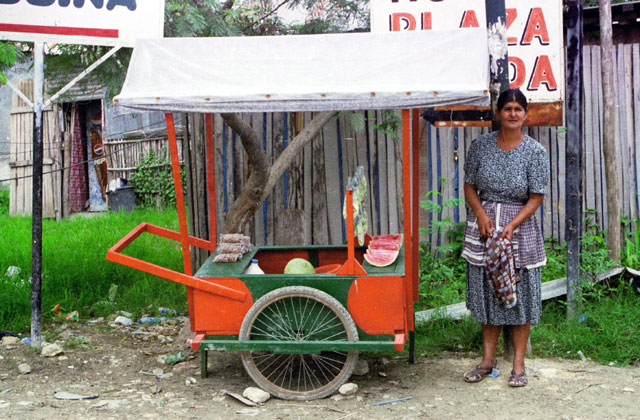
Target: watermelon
x,y
380,257
395,238
388,245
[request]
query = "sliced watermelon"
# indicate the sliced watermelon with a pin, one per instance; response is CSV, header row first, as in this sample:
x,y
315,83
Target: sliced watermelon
x,y
393,237
388,245
380,257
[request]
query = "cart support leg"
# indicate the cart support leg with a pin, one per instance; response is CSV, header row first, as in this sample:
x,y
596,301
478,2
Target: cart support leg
x,y
412,347
203,363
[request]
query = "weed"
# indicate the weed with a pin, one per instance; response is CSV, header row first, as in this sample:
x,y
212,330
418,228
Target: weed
x,y
442,271
153,181
4,200
77,342
631,249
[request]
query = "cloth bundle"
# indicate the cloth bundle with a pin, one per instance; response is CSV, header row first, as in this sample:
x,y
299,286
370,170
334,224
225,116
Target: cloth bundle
x,y
232,247
501,270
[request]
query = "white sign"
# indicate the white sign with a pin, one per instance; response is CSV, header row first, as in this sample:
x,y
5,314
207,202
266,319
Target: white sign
x,y
534,35
92,22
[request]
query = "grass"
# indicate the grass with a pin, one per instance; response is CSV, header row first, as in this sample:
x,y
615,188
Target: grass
x,y
75,273
608,332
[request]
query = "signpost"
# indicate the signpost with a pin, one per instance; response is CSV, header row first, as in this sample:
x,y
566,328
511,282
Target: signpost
x,y
114,23
534,38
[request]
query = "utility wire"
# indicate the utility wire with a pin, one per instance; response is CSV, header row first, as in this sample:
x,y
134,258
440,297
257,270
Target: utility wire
x,y
79,163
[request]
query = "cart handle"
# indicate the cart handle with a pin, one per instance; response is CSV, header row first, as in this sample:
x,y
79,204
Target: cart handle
x,y
114,254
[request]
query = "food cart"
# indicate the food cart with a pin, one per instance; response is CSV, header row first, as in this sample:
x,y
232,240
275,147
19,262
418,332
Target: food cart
x,y
299,335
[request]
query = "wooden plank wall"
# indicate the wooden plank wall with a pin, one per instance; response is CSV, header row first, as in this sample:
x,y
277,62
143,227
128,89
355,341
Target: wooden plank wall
x,y
125,152
316,180
627,88
21,156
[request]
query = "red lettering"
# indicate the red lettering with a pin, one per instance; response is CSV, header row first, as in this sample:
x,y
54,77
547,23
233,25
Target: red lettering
x,y
402,22
536,27
511,17
542,74
517,72
469,19
426,20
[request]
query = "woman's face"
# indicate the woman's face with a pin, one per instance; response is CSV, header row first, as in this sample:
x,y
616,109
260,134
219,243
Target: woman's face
x,y
512,115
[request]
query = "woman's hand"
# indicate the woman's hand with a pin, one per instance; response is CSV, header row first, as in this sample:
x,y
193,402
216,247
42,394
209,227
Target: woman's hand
x,y
507,232
485,224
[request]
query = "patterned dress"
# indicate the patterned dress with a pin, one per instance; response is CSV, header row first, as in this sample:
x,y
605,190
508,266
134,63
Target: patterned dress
x,y
505,177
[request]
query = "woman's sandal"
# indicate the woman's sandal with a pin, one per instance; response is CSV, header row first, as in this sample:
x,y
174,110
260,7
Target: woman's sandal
x,y
517,380
479,373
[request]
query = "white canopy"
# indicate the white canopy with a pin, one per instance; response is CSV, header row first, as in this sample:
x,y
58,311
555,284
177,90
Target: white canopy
x,y
309,72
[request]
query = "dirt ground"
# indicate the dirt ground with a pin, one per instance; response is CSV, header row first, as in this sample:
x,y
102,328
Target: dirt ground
x,y
117,364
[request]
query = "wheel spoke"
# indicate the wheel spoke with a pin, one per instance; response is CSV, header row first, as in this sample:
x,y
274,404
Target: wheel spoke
x,y
328,362
320,365
277,306
323,326
285,335
314,327
297,326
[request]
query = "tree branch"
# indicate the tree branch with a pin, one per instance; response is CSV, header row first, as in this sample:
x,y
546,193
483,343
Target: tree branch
x,y
294,148
263,17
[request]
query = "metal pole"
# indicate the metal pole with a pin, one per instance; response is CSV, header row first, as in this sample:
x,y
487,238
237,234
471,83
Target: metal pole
x,y
498,53
36,207
574,151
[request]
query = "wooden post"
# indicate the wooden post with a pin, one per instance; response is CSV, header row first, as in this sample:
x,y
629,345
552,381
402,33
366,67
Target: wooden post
x,y
36,209
66,178
612,176
574,151
498,55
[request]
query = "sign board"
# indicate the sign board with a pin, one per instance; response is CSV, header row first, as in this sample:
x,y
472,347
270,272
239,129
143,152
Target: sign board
x,y
92,22
534,36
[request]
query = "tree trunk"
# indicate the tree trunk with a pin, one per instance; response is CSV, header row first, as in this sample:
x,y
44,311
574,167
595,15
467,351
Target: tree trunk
x,y
247,203
263,178
609,146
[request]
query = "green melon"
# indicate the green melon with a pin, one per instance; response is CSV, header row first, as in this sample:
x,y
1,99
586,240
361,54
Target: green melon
x,y
299,266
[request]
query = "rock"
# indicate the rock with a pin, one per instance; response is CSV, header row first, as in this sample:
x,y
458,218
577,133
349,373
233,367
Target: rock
x,y
10,341
190,381
98,320
248,412
628,390
160,359
24,368
348,389
256,395
157,371
547,372
123,320
51,350
362,368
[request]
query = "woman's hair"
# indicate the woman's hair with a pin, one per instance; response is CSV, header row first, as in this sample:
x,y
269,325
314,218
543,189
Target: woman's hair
x,y
512,95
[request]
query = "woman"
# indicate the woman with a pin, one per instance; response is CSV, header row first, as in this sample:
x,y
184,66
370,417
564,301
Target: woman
x,y
506,174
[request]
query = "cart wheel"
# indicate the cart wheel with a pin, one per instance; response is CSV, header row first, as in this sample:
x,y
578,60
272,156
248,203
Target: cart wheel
x,y
299,313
